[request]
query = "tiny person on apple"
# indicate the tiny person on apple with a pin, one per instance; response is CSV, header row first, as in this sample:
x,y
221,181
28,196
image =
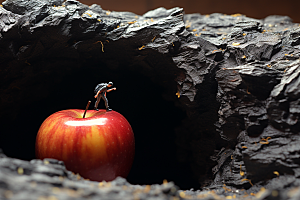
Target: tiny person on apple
x,y
100,91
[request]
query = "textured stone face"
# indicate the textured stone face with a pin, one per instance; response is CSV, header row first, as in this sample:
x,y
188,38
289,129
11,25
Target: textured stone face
x,y
237,78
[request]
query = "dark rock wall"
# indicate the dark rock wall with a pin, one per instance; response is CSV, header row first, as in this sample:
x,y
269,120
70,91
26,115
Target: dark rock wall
x,y
236,78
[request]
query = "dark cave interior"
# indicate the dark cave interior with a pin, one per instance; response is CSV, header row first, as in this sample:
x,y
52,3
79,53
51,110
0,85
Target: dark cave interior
x,y
141,101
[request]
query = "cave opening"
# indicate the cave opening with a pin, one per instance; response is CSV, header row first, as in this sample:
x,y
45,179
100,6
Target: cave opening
x,y
138,98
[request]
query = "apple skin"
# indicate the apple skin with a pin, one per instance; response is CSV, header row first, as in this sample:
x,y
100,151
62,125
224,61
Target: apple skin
x,y
99,147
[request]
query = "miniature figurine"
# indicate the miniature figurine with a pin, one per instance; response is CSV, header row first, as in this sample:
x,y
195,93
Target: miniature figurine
x,y
100,91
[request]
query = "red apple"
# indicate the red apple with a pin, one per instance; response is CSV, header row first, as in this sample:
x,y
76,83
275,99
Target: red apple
x,y
98,147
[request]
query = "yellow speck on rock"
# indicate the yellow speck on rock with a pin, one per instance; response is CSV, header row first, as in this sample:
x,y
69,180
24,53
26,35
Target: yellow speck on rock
x,y
147,188
260,193
236,15
235,44
247,180
276,172
141,47
20,170
153,39
182,194
131,22
101,184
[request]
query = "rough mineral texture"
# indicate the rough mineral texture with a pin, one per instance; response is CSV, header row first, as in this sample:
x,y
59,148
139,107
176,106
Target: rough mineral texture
x,y
237,79
49,180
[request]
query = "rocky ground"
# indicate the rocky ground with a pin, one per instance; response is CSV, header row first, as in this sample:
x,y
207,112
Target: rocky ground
x,y
48,179
237,78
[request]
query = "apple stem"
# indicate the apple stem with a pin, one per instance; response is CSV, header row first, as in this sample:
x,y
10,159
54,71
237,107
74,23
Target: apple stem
x,y
87,106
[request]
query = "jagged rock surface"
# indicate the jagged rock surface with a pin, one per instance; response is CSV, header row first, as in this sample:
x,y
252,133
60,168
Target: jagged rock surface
x,y
237,78
49,179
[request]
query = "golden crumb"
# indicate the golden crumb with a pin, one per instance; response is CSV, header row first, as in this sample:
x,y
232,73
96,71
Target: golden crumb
x,y
101,184
27,62
276,172
132,22
241,172
182,194
265,140
141,47
147,188
20,170
260,193
78,177
247,180
235,44
236,15
153,38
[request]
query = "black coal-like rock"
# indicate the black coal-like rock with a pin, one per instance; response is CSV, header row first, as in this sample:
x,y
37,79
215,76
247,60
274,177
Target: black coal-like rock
x,y
237,79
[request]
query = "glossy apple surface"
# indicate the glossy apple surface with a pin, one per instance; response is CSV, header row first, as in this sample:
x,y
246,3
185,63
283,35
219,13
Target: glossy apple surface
x,y
98,147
